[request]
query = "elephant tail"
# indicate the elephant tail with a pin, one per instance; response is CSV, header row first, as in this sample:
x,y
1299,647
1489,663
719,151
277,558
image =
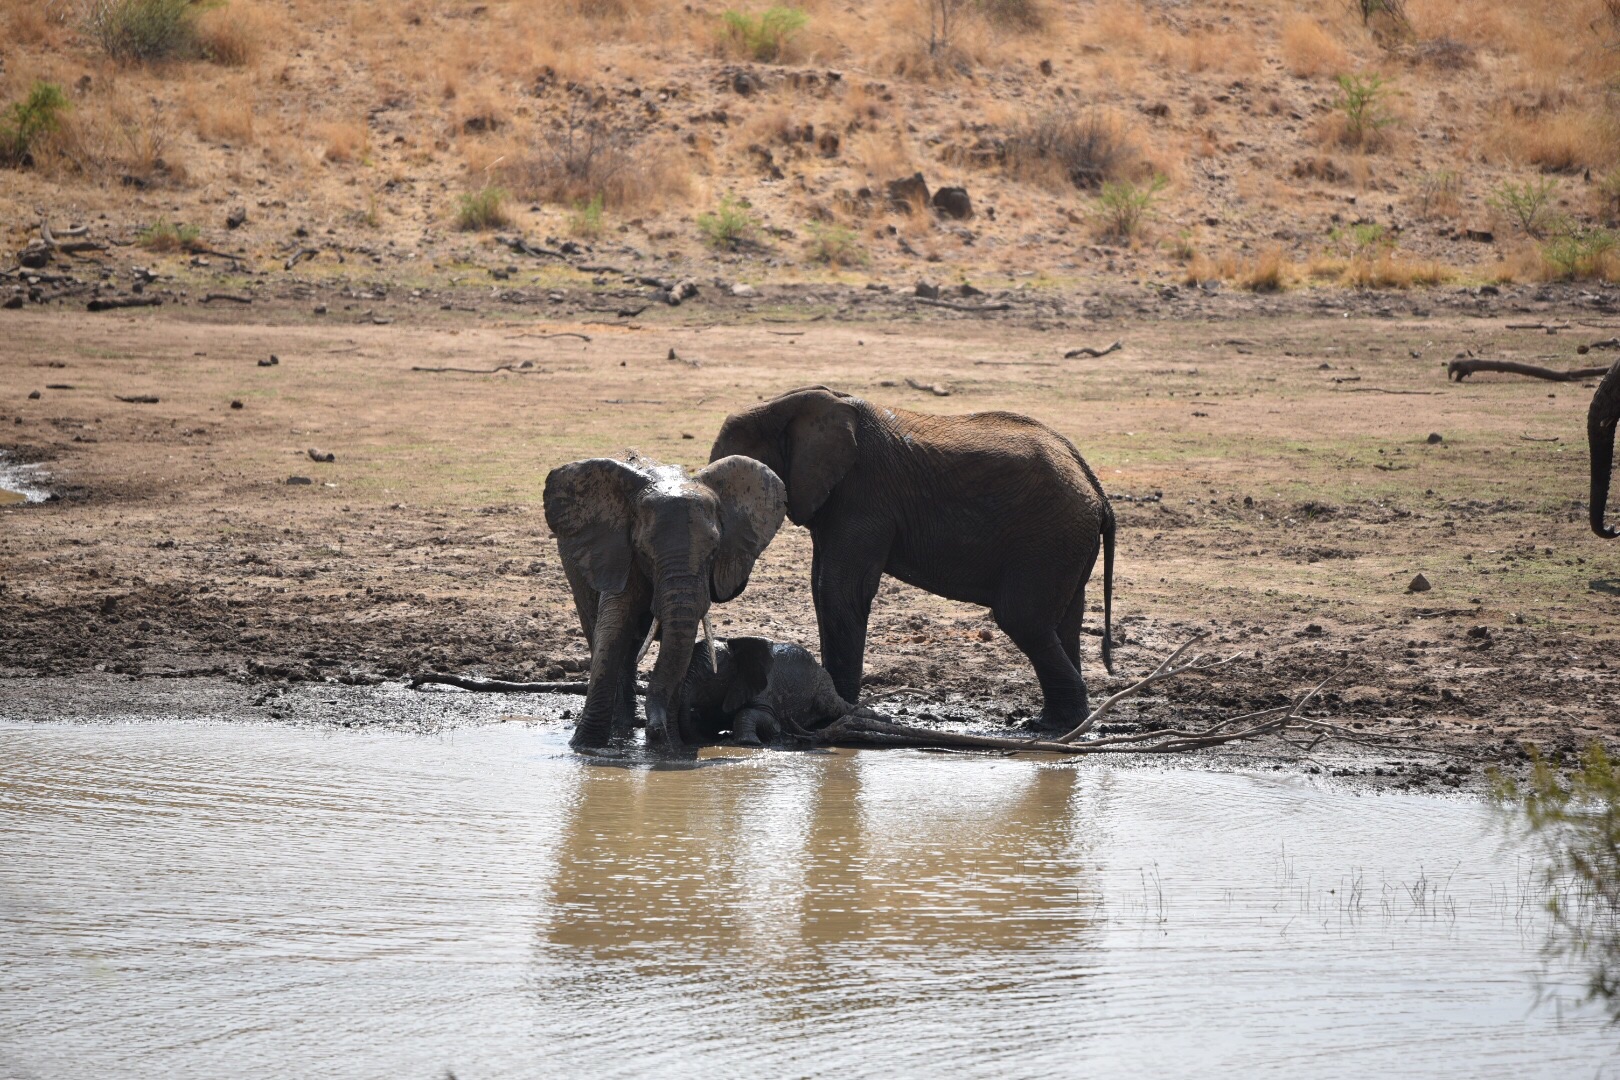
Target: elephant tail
x,y
1600,424
1108,584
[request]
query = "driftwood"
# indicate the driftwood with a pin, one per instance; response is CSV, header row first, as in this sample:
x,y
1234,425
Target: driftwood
x,y
928,388
601,268
123,302
567,333
137,399
1550,328
1461,369
525,367
213,296
523,247
1093,353
299,256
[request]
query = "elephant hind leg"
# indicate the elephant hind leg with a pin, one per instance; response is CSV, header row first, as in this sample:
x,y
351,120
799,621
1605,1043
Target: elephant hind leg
x,y
1070,625
1063,691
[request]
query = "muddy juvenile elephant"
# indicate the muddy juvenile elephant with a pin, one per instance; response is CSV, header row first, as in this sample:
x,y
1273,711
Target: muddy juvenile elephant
x,y
1600,421
989,508
760,690
647,548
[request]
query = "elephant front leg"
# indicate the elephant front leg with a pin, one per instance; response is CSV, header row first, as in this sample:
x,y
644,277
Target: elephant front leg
x,y
613,660
755,725
843,582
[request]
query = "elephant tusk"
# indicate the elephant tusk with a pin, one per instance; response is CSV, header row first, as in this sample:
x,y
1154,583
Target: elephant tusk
x,y
708,642
652,632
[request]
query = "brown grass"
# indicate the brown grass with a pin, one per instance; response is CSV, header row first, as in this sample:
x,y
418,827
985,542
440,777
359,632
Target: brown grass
x,y
235,34
573,165
219,114
1308,50
343,141
1564,141
1387,270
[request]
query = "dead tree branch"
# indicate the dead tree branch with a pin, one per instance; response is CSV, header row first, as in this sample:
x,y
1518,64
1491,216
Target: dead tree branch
x,y
928,388
1459,370
525,367
1093,353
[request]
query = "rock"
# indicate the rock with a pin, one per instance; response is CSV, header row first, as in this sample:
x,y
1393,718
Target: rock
x,y
908,192
320,309
36,256
13,302
272,362
953,202
1479,236
33,395
1419,584
926,291
965,289
1045,67
1436,437
236,404
1479,631
746,83
681,290
827,144
317,455
299,481
744,290
236,218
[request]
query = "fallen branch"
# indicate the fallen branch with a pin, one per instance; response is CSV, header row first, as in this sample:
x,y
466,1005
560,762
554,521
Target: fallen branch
x,y
600,268
930,388
1093,353
1459,370
213,296
123,302
569,333
299,256
1381,390
523,247
974,308
1167,669
1015,363
525,367
137,399
1549,327
500,686
1532,438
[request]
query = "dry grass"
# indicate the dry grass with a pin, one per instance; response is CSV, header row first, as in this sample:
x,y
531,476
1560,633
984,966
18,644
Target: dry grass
x,y
1309,50
220,114
1565,141
882,155
1068,148
343,141
1387,270
235,34
586,159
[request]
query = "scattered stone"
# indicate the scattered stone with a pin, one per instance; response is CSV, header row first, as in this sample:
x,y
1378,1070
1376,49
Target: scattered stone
x,y
1435,437
927,291
13,302
953,202
272,362
827,144
236,218
299,481
1419,584
320,309
1479,631
317,455
36,256
744,290
33,395
235,404
1480,236
965,289
908,192
1045,67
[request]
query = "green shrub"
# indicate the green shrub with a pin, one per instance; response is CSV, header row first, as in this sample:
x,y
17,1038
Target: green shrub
x,y
1527,205
22,125
834,245
481,210
763,37
1362,100
729,225
1576,823
144,29
586,220
1123,208
1577,253
165,236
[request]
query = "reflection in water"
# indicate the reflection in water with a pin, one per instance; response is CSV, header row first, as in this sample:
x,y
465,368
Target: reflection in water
x,y
194,901
7,498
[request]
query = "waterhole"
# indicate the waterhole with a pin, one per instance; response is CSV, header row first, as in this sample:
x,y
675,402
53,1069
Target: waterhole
x,y
19,483
191,900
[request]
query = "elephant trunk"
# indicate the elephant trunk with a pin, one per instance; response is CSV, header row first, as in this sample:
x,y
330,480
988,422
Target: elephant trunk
x,y
680,608
1600,424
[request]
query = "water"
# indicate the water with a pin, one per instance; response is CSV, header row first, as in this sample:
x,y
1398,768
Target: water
x,y
192,900
20,483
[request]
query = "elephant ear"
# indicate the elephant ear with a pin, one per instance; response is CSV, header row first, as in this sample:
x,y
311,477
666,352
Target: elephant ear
x,y
752,502
821,449
590,505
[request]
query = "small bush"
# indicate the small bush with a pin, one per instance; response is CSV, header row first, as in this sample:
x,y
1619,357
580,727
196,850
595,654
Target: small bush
x,y
1362,102
584,158
1015,14
1266,274
138,30
586,219
1439,194
1576,823
1308,49
1527,205
1123,208
231,34
1579,254
29,120
1085,150
764,37
729,225
480,210
165,236
834,245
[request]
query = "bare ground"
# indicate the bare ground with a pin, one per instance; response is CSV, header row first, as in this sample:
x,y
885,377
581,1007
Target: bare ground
x,y
1271,460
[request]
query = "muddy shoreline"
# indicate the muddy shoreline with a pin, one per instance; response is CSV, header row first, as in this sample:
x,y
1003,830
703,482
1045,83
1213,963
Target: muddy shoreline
x,y
1265,497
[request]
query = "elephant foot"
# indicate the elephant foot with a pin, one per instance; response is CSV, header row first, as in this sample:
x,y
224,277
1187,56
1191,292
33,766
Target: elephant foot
x,y
755,726
1055,723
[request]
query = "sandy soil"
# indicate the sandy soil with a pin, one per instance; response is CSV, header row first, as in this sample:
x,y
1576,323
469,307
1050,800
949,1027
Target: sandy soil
x,y
1271,458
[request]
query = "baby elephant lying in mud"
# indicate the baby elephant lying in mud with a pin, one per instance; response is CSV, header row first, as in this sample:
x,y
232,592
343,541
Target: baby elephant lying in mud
x,y
761,691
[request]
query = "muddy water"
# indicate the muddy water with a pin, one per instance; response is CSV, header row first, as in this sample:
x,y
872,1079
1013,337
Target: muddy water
x,y
200,901
8,498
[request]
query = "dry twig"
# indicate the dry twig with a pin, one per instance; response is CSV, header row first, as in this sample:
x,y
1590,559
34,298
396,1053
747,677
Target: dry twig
x,y
1461,369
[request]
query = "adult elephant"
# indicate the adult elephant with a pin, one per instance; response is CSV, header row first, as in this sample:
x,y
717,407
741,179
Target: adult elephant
x,y
1600,421
646,549
988,508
